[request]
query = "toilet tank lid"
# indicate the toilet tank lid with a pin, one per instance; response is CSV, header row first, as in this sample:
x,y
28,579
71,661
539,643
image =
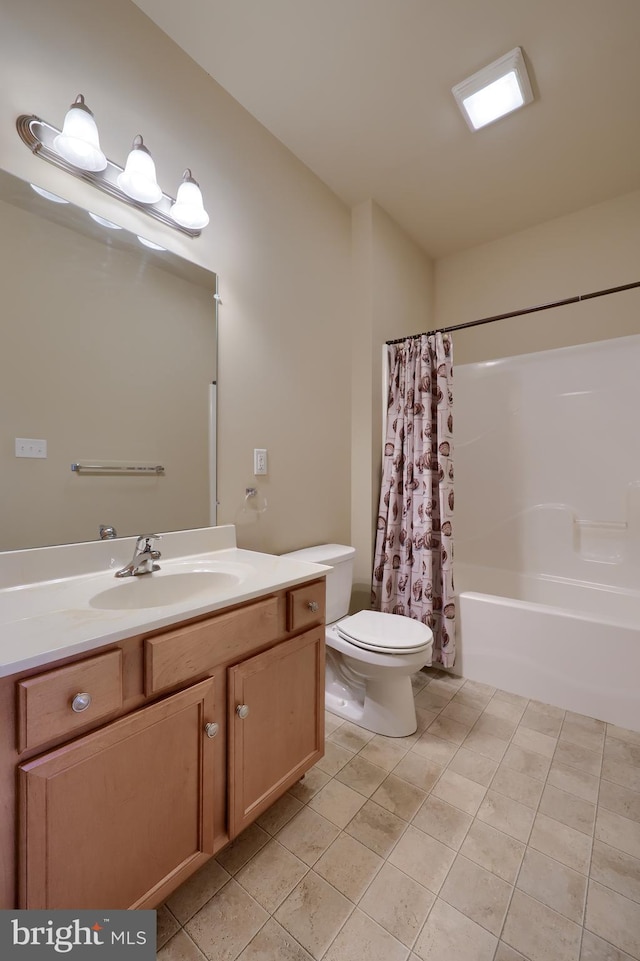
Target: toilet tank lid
x,y
324,553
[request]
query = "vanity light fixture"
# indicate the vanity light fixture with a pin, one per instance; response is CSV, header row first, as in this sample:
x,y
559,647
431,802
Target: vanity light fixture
x,y
188,210
79,142
498,89
76,149
138,179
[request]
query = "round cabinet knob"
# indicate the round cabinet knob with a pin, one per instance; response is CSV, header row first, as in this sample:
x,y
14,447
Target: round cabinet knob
x,y
80,703
242,710
211,729
313,606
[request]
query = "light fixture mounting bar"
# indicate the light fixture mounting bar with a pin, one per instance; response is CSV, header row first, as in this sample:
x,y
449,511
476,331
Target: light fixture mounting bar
x,y
38,135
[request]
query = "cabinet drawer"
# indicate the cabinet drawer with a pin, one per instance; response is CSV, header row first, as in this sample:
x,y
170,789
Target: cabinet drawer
x,y
45,710
305,605
177,656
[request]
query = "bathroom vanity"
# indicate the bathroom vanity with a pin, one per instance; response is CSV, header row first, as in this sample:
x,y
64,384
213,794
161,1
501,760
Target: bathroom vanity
x,y
135,742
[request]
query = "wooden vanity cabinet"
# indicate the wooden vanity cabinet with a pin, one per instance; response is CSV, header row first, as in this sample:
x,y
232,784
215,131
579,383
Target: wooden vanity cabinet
x,y
196,730
120,817
276,724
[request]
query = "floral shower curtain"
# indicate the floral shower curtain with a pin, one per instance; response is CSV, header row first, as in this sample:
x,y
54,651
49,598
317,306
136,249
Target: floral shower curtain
x,y
412,571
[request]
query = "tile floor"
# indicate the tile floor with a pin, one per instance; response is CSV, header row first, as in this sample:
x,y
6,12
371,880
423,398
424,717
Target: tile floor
x,y
503,830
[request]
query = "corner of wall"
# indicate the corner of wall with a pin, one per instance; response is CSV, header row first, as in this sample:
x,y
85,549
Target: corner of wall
x,y
393,296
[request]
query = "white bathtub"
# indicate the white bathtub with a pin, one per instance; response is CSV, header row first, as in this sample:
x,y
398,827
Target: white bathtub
x,y
564,642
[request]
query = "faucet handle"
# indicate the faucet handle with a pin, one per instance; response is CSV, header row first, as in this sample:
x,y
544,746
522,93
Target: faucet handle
x,y
146,540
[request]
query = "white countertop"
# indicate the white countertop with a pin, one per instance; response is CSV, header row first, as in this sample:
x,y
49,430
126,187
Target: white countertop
x,y
59,601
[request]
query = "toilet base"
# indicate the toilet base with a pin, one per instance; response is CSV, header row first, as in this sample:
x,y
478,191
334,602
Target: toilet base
x,y
384,707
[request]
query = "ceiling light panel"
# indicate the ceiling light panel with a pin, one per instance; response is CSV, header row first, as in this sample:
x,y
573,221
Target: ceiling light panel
x,y
496,90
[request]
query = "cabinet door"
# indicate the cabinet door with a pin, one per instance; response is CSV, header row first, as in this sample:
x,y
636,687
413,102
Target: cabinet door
x,y
281,735
120,817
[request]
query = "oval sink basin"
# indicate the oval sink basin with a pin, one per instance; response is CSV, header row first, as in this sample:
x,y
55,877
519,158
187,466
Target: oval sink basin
x,y
162,590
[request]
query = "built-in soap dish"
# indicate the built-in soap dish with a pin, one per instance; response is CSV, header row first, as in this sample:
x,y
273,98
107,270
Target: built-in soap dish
x,y
601,541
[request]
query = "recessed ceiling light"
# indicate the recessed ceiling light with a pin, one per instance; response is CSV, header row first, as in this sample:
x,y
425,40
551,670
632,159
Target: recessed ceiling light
x,y
496,90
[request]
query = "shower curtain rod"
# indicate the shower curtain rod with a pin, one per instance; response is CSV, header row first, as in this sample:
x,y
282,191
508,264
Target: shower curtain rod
x,y
520,313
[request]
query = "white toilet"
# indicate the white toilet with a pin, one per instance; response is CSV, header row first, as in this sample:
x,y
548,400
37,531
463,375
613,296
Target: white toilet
x,y
370,656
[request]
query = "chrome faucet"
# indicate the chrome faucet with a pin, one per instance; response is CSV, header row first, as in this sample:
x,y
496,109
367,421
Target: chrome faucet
x,y
144,557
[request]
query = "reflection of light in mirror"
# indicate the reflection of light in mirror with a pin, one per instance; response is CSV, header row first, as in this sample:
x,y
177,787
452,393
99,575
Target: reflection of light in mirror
x,y
48,195
149,243
103,222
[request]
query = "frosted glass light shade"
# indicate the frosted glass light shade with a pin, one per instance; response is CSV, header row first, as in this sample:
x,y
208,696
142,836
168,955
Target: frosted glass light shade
x,y
138,179
494,91
79,143
188,210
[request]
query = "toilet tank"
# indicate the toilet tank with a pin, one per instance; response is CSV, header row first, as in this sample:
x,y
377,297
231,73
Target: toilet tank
x,y
339,580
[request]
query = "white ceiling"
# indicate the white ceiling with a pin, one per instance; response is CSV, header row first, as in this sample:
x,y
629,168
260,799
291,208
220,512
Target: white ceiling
x,y
360,91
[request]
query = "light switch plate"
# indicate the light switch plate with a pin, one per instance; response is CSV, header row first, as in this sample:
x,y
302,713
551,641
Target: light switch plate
x,y
29,447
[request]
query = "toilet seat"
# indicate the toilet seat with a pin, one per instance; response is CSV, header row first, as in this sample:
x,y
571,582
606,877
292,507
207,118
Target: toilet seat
x,y
385,633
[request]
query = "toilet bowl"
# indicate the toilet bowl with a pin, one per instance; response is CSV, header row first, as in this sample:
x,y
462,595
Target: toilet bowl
x,y
370,656
369,668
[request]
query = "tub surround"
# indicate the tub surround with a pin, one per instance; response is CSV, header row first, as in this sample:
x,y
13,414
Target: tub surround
x,y
547,527
547,474
552,540
46,610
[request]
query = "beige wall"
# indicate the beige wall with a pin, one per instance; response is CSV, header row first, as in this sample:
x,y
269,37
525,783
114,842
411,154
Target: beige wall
x,y
279,240
593,249
303,282
393,296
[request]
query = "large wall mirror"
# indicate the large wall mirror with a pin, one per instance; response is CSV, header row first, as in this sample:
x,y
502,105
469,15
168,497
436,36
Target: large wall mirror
x,y
108,355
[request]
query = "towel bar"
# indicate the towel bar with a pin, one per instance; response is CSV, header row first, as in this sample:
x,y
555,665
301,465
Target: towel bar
x,y
119,468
